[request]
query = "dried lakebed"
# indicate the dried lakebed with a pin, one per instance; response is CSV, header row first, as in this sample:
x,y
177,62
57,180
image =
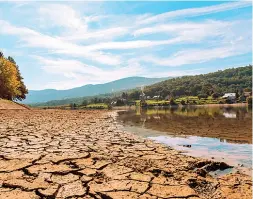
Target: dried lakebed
x,y
84,154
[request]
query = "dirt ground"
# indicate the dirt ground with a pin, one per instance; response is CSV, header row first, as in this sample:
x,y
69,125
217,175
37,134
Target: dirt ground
x,y
83,154
6,104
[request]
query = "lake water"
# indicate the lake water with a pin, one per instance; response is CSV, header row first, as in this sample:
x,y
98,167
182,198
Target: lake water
x,y
218,133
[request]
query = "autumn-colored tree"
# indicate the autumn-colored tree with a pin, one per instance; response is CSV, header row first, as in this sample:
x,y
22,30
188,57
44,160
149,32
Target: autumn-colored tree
x,y
11,82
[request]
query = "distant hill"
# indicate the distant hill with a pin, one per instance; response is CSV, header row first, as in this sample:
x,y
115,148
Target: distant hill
x,y
89,90
222,81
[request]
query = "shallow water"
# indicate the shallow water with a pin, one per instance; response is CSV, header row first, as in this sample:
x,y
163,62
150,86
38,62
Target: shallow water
x,y
218,133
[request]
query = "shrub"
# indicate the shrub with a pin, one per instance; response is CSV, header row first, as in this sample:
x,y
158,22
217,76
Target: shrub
x,y
120,102
172,102
242,98
215,95
200,96
249,101
229,101
85,103
183,102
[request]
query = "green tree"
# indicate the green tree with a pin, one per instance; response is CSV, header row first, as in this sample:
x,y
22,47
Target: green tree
x,y
242,98
207,89
200,96
85,103
120,102
124,95
135,95
183,102
73,106
172,102
215,95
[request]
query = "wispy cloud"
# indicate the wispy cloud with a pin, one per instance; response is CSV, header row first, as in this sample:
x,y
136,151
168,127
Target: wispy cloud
x,y
110,33
209,27
195,56
192,12
31,38
63,16
76,71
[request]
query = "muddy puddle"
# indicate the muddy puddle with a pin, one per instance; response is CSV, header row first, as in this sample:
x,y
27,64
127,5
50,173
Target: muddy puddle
x,y
216,133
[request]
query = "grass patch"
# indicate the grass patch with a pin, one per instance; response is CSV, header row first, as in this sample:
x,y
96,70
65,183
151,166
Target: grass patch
x,y
96,106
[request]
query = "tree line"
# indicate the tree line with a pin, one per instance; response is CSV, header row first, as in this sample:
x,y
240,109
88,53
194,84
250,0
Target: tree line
x,y
234,80
12,86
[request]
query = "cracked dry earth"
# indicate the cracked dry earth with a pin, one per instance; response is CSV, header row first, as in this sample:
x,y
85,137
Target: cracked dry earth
x,y
83,154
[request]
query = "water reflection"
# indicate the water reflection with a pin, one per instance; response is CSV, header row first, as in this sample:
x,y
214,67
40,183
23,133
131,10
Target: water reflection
x,y
232,154
220,133
230,124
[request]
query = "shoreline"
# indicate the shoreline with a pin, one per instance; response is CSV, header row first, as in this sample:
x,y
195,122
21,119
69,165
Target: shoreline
x,y
175,106
152,134
63,153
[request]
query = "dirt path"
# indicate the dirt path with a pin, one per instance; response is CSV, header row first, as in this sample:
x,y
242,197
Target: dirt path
x,y
82,154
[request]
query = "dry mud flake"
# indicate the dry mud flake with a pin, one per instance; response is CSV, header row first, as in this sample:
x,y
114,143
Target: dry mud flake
x,y
119,195
64,157
49,192
12,165
11,175
63,179
119,185
17,194
25,184
71,189
49,168
180,191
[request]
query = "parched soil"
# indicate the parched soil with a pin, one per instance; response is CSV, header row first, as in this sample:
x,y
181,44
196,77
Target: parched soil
x,y
6,105
83,154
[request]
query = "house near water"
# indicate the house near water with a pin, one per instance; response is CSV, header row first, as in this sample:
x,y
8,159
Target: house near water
x,y
230,96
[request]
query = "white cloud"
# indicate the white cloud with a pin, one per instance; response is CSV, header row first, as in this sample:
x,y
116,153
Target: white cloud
x,y
34,39
63,16
77,73
193,56
232,41
175,73
103,34
191,12
133,44
209,27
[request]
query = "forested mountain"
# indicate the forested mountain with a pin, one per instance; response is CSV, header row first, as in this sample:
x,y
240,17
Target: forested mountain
x,y
220,82
229,80
89,90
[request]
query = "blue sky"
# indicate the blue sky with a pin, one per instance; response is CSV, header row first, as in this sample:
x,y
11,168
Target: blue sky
x,y
63,45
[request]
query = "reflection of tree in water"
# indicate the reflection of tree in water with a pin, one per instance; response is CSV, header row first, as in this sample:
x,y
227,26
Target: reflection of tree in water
x,y
143,116
173,109
202,121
